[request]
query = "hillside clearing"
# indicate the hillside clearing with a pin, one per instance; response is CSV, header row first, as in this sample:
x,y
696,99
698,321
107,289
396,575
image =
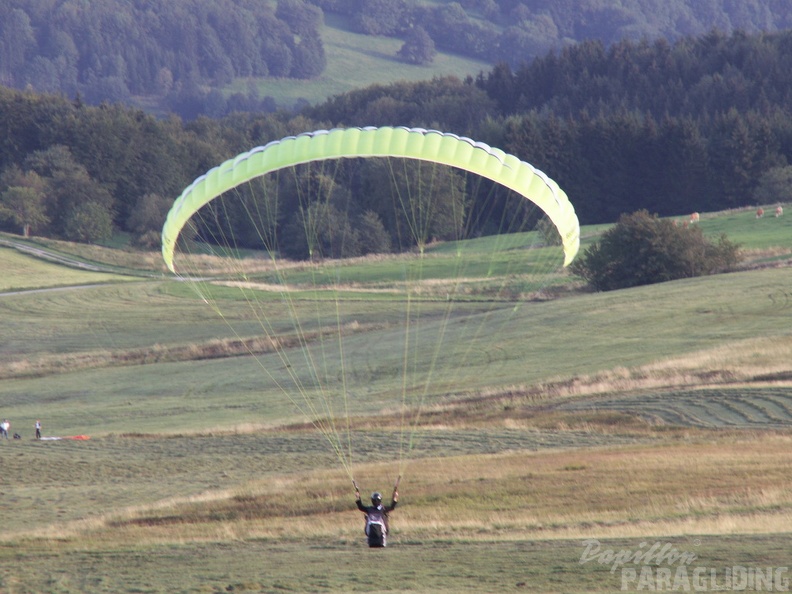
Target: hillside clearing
x,y
656,414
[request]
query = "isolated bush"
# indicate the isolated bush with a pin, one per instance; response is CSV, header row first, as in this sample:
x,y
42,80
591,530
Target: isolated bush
x,y
642,249
418,47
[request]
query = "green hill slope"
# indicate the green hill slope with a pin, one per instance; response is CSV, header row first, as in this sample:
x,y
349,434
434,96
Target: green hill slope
x,y
592,416
171,360
356,61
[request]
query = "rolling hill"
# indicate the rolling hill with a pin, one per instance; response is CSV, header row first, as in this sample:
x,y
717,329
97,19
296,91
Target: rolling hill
x,y
660,413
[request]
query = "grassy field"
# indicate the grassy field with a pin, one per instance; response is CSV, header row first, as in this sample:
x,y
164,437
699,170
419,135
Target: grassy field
x,y
355,61
653,416
20,272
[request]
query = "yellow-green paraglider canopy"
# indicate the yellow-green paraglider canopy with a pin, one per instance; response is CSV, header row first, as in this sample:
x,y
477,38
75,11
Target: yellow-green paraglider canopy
x,y
409,143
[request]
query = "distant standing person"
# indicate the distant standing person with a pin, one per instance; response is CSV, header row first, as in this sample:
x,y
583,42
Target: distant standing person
x,y
4,427
38,429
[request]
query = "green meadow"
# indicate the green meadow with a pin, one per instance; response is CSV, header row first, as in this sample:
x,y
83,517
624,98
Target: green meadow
x,y
555,418
355,61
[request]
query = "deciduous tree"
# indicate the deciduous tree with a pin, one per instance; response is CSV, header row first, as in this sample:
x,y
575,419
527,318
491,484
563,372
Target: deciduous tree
x,y
23,199
642,249
418,47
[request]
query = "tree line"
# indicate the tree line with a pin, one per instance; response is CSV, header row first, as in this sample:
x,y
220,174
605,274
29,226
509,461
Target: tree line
x,y
168,49
516,31
180,55
606,134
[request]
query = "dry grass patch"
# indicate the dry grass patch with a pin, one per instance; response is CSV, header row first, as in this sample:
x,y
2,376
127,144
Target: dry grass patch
x,y
725,485
133,259
222,265
743,360
756,361
774,257
219,348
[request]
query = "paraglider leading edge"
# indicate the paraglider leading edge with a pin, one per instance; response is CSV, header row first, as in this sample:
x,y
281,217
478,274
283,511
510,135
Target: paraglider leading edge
x,y
400,142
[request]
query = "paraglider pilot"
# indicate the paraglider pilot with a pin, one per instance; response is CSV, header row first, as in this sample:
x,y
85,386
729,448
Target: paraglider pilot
x,y
377,516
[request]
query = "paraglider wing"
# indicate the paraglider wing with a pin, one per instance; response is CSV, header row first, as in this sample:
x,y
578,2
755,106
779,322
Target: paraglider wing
x,y
410,143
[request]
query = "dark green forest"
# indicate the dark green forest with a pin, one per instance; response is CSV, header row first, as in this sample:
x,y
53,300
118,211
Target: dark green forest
x,y
168,49
180,56
516,31
696,125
